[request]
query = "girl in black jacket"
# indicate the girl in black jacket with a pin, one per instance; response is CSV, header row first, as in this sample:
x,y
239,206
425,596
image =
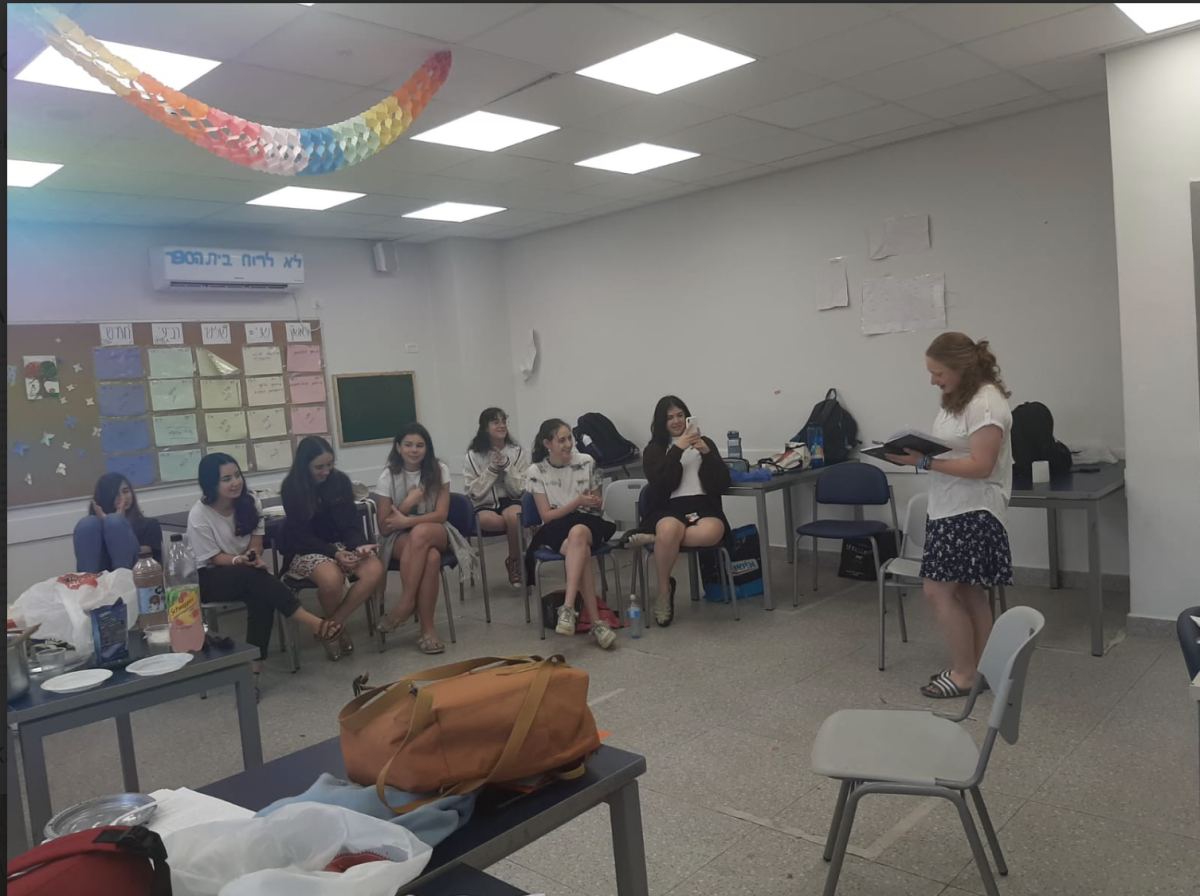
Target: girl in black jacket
x,y
686,480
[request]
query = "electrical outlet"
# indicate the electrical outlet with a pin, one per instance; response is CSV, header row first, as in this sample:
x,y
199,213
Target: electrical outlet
x,y
411,348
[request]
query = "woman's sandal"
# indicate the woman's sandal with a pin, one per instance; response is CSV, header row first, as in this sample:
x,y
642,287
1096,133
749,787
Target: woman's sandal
x,y
665,618
329,630
429,644
943,687
387,625
984,686
346,642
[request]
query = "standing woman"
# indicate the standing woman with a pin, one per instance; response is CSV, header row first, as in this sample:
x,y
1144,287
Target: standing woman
x,y
966,539
225,532
686,478
566,487
323,536
112,533
494,477
413,498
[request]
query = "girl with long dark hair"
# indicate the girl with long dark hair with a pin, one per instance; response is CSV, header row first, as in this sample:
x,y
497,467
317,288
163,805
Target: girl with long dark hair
x,y
494,479
323,538
413,501
114,530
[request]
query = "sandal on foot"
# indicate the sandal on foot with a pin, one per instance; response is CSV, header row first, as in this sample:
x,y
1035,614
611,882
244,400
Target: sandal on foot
x,y
983,685
636,539
329,630
665,615
346,642
429,644
333,650
387,625
943,688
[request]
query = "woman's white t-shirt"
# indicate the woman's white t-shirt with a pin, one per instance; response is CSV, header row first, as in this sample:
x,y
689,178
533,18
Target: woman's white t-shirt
x,y
210,533
396,486
689,483
562,485
952,495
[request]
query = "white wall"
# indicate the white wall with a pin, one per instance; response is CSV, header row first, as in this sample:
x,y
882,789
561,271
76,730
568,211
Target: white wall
x,y
711,296
1154,107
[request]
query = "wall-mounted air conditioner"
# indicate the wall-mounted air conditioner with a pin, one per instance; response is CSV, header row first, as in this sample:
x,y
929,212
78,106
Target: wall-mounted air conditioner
x,y
175,268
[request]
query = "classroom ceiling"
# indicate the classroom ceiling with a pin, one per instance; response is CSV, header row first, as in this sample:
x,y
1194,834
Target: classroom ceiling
x,y
830,79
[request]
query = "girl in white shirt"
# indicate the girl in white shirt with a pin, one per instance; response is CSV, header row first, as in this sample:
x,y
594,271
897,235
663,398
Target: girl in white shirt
x,y
966,539
494,478
413,502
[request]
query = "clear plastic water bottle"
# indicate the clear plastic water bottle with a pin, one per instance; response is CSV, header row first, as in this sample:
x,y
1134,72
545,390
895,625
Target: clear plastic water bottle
x,y
735,443
633,615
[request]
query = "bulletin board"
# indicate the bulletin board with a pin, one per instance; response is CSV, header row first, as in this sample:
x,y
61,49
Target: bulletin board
x,y
150,399
373,407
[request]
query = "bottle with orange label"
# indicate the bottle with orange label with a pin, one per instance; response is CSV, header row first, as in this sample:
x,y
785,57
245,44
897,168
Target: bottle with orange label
x,y
183,598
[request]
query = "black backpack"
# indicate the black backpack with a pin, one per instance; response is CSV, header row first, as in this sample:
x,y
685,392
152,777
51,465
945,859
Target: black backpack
x,y
839,430
607,445
1033,439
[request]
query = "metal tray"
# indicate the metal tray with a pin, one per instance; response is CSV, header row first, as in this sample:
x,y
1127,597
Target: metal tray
x,y
102,811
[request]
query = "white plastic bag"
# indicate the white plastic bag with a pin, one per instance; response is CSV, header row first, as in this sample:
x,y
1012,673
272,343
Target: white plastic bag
x,y
282,854
60,606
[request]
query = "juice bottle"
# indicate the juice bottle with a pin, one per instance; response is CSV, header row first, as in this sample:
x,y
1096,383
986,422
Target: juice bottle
x,y
183,598
148,578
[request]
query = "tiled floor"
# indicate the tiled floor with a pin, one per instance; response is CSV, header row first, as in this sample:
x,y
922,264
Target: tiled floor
x,y
1099,796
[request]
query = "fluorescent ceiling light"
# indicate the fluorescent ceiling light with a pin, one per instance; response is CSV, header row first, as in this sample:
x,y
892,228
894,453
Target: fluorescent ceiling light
x,y
306,198
485,131
172,69
454,211
665,64
639,158
1152,17
26,174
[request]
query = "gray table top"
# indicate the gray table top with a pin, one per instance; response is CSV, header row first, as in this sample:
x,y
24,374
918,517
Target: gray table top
x,y
781,481
1073,486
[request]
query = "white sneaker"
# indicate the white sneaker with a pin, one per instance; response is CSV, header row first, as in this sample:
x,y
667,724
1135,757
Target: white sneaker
x,y
567,620
604,635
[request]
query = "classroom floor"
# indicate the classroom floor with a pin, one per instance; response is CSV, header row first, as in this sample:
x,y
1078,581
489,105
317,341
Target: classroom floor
x,y
1099,796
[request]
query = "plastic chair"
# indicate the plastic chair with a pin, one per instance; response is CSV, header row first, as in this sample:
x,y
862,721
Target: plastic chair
x,y
621,501
530,517
854,485
480,535
928,754
1189,639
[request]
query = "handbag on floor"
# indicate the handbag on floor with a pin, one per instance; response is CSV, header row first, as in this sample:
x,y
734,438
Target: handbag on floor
x,y
747,566
482,721
858,561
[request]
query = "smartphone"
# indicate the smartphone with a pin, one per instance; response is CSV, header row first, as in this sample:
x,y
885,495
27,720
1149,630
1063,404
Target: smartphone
x,y
693,424
252,556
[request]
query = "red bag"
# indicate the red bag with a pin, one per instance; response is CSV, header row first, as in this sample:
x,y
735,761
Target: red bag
x,y
99,862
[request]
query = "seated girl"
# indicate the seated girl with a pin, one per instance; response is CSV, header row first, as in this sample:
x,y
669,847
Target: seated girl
x,y
566,486
225,532
494,477
323,538
413,497
686,477
114,530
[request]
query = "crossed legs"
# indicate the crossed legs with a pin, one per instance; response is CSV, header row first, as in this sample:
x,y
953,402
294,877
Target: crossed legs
x,y
420,556
577,549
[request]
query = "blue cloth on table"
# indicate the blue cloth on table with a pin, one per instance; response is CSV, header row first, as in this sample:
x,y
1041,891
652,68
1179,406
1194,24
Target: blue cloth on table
x,y
759,475
432,823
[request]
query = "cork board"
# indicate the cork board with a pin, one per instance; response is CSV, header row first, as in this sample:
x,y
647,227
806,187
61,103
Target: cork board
x,y
150,399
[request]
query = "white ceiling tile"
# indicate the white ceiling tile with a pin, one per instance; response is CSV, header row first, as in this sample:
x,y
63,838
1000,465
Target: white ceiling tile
x,y
73,112
700,169
765,28
917,130
678,190
744,174
773,149
922,75
519,217
867,123
863,49
174,209
566,37
437,113
415,157
808,108
1093,28
960,22
567,178
632,186
432,186
567,145
450,22
747,86
821,155
406,226
1026,104
648,118
1059,73
565,99
65,203
972,95
728,130
674,15
497,168
388,206
267,95
95,179
535,199
477,78
41,145
1079,91
429,236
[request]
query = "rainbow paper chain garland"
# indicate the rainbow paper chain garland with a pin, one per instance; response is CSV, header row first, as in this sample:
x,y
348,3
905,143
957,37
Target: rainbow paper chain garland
x,y
285,151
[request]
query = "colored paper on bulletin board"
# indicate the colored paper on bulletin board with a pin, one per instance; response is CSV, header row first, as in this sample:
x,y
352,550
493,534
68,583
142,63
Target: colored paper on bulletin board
x,y
124,435
221,393
209,363
137,468
41,377
228,426
261,360
262,390
121,400
177,466
310,419
121,363
236,450
172,395
267,423
304,357
175,429
306,388
273,455
171,363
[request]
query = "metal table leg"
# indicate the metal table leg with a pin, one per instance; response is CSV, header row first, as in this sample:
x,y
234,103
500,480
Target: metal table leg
x,y
629,849
247,710
693,562
129,773
764,550
1052,541
37,785
1095,579
789,522
18,836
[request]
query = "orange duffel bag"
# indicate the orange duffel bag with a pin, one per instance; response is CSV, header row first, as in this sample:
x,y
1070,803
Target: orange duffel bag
x,y
482,721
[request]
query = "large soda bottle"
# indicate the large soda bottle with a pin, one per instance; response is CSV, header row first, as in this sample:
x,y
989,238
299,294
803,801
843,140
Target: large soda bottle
x,y
183,598
151,598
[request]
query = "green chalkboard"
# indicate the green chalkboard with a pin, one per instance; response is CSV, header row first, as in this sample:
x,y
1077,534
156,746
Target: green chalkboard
x,y
373,407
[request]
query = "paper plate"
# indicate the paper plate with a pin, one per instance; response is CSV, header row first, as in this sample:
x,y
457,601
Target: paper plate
x,y
160,664
73,682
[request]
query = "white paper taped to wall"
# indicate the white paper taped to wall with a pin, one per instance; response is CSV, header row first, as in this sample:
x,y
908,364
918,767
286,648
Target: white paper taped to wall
x,y
894,305
898,236
529,362
835,291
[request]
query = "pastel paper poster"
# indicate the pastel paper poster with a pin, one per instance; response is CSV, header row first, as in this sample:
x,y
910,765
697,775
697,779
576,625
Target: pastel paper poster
x,y
306,388
273,455
41,376
221,393
227,426
236,450
121,399
124,435
304,357
261,360
171,362
178,466
267,423
264,390
285,151
137,468
172,395
118,363
175,429
310,419
212,364
12,374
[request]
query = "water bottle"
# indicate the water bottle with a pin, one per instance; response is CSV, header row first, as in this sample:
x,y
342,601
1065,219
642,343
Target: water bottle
x,y
735,443
633,615
816,446
183,598
148,579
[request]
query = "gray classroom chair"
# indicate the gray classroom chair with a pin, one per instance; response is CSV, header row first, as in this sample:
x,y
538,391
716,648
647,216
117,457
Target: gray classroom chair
x,y
928,754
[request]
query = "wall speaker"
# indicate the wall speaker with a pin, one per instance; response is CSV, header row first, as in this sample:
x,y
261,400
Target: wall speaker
x,y
384,259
